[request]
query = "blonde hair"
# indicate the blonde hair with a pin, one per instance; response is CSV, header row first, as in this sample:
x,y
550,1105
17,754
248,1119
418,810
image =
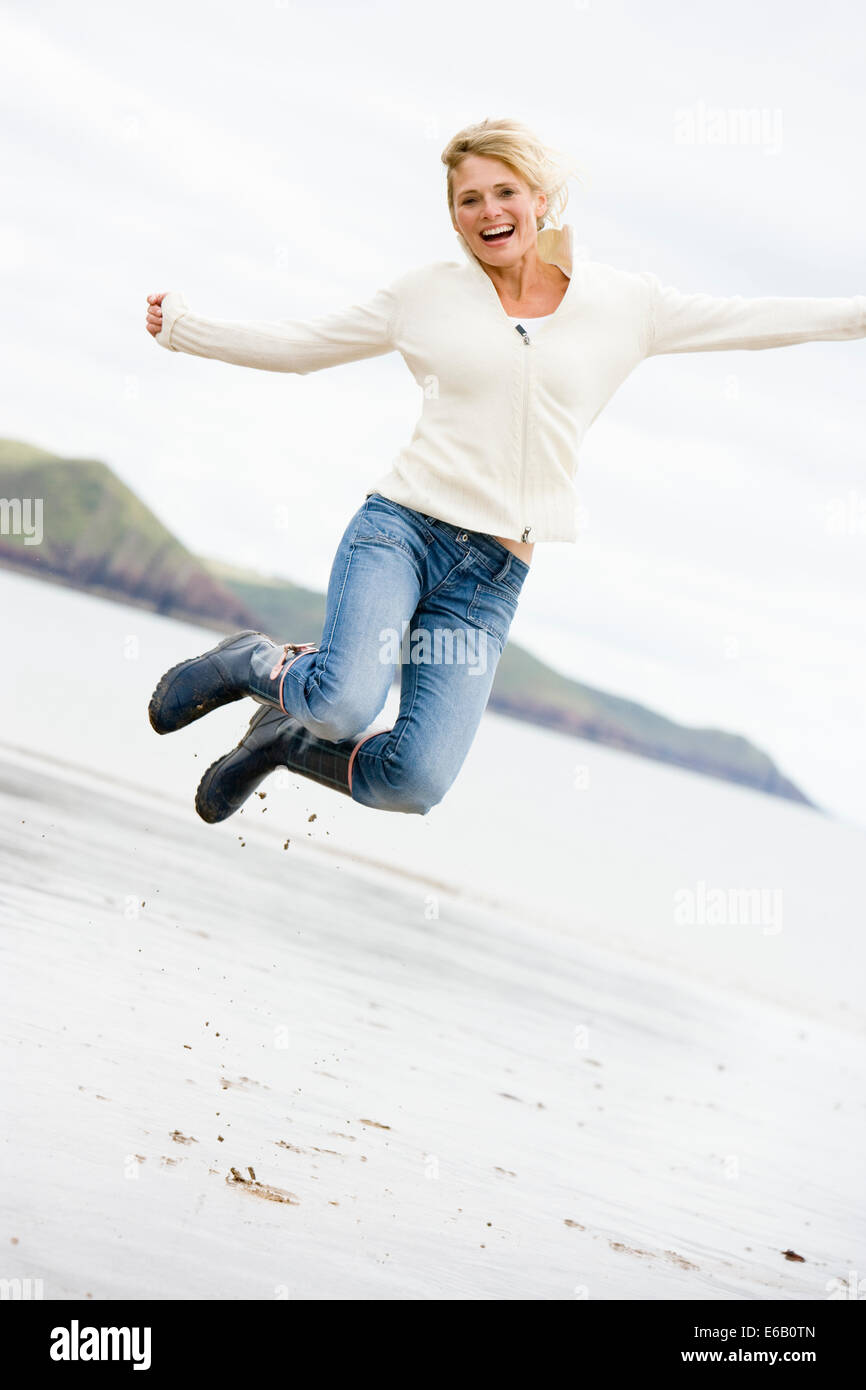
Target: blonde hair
x,y
543,168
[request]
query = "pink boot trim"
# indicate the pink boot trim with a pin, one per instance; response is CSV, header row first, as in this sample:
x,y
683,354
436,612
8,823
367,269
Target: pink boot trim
x,y
355,750
300,649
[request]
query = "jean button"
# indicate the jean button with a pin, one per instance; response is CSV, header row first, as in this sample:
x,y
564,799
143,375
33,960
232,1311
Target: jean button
x,y
462,536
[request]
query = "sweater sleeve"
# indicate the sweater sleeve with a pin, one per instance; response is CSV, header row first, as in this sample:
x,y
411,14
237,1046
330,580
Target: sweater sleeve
x,y
678,322
284,345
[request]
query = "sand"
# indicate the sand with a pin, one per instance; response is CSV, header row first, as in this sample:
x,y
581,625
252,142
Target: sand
x,y
238,1070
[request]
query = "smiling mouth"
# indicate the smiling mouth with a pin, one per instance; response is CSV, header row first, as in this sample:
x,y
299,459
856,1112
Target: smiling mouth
x,y
497,234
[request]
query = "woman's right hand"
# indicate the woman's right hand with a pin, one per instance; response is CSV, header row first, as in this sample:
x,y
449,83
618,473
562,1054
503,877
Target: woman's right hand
x,y
154,312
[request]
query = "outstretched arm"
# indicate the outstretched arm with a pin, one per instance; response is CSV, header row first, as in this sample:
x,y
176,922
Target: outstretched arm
x,y
285,345
678,322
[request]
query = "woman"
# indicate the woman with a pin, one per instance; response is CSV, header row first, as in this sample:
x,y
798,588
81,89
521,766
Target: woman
x,y
517,350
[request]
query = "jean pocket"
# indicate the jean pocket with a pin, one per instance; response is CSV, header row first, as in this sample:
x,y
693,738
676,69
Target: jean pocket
x,y
382,522
492,608
384,516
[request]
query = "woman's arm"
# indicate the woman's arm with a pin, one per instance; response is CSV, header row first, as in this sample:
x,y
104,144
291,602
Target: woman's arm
x,y
285,345
678,322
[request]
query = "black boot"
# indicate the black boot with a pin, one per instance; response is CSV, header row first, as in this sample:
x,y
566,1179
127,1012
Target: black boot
x,y
249,663
272,740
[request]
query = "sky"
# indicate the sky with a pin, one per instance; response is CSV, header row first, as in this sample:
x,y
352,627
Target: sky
x,y
276,160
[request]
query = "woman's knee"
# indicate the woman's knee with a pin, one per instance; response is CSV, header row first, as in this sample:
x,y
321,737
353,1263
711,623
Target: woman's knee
x,y
414,789
340,714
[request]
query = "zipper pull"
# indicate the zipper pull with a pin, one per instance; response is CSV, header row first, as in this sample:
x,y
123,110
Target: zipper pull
x,y
522,330
526,531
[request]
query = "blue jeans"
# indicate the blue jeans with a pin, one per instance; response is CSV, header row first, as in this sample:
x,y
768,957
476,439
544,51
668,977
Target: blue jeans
x,y
411,591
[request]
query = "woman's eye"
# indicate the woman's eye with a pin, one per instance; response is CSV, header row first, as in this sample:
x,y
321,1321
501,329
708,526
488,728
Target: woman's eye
x,y
467,201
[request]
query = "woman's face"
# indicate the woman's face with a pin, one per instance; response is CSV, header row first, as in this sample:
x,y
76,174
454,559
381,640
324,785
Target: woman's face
x,y
487,194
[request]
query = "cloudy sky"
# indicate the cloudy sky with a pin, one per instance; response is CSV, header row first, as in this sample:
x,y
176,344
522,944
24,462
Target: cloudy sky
x,y
278,158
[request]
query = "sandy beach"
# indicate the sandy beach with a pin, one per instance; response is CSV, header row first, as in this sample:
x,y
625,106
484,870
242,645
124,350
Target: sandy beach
x,y
377,1064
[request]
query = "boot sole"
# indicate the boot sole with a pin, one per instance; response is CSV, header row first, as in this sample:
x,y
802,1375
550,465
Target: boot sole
x,y
204,785
154,709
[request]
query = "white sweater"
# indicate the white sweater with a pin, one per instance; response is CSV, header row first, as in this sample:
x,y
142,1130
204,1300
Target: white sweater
x,y
503,414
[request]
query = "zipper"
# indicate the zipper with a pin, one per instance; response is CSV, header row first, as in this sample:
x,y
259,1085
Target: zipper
x,y
527,342
490,289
